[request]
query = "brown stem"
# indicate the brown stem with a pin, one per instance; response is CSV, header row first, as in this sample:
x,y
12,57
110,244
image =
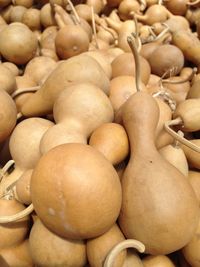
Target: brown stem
x,y
136,34
18,216
25,90
187,77
181,139
129,243
94,27
133,47
176,142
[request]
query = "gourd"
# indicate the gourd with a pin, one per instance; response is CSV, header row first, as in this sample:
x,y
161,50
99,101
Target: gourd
x,y
157,261
112,141
7,79
65,73
194,179
100,190
153,189
191,155
78,111
16,256
48,249
99,247
24,148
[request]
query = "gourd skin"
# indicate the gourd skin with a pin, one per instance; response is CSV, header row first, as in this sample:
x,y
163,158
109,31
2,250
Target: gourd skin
x,y
84,191
156,196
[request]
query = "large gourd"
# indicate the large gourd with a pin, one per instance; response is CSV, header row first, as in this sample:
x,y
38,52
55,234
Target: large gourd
x,y
156,196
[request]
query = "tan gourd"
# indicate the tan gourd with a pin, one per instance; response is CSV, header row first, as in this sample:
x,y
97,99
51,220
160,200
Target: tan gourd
x,y
194,179
177,7
12,67
88,70
100,190
39,68
17,256
112,141
16,14
47,17
112,52
191,250
13,233
121,88
24,148
78,111
18,43
8,112
47,39
124,65
127,8
176,156
26,3
192,156
165,57
99,247
188,113
5,3
149,181
48,249
31,18
157,261
7,79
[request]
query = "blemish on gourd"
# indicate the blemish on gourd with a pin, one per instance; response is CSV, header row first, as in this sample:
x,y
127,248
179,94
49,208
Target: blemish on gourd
x,y
51,211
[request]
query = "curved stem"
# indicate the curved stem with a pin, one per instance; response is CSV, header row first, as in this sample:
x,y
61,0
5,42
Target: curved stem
x,y
78,21
18,216
187,77
176,142
176,136
133,47
136,34
129,243
160,35
25,90
6,167
94,27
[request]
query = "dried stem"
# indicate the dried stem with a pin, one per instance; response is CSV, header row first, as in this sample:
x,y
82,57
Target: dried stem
x,y
182,79
129,243
94,27
133,47
78,21
25,90
136,34
18,216
176,136
5,168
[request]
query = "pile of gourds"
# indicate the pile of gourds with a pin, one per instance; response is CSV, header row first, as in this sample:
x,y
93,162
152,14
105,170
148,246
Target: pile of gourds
x,y
99,133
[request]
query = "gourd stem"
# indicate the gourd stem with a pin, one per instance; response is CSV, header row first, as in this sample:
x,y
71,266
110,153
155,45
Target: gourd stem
x,y
19,115
133,47
74,12
181,139
136,34
193,3
182,79
18,216
160,35
143,5
6,167
129,243
94,27
112,32
25,90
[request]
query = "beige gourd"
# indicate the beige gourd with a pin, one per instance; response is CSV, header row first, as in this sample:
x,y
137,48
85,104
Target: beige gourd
x,y
112,141
78,111
132,259
99,247
100,191
18,43
149,181
7,79
24,148
48,249
192,156
88,70
31,18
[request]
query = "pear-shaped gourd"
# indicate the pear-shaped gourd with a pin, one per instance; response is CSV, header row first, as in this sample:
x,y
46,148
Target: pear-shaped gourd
x,y
156,196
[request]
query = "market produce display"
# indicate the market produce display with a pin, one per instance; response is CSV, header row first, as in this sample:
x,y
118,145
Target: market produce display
x,y
99,133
